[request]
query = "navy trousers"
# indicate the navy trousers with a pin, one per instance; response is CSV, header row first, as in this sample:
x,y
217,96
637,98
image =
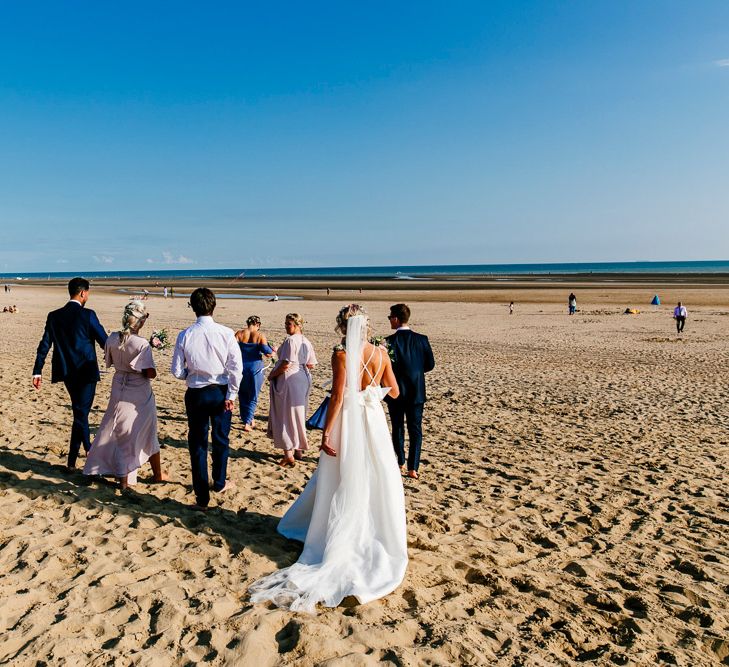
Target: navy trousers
x,y
82,398
400,412
206,412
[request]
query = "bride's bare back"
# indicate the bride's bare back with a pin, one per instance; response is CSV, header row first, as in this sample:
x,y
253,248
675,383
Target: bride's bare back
x,y
374,365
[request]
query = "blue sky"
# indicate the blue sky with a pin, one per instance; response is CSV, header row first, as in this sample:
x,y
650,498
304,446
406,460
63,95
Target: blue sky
x,y
210,135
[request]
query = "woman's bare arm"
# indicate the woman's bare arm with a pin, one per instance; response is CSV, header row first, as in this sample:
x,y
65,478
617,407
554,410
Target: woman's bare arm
x,y
339,375
388,378
149,373
280,370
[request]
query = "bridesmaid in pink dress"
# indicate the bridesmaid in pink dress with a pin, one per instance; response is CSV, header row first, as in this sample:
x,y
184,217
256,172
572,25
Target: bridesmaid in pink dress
x,y
127,436
290,386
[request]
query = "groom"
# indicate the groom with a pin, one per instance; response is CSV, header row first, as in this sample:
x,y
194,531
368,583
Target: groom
x,y
208,358
412,359
72,332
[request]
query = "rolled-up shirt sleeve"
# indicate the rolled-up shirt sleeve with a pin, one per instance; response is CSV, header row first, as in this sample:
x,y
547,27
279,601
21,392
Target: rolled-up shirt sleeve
x,y
233,368
178,368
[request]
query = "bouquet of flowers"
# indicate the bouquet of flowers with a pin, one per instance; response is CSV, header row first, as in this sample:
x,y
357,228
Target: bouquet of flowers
x,y
381,341
160,340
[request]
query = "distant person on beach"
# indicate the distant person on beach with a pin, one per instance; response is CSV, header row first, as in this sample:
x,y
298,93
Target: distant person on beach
x,y
208,358
127,435
72,332
290,382
412,358
572,303
511,308
165,292
680,314
253,347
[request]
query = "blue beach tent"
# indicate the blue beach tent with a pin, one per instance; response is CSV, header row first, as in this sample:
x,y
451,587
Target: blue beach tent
x,y
656,301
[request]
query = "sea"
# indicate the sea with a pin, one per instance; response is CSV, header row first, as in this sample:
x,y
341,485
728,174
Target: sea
x,y
418,272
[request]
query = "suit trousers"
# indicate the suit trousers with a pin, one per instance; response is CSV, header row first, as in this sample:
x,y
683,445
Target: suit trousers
x,y
400,412
82,398
206,411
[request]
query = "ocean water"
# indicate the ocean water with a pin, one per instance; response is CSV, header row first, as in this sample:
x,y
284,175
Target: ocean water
x,y
396,272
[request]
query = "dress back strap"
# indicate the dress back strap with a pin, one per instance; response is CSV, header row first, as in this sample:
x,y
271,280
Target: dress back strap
x,y
379,365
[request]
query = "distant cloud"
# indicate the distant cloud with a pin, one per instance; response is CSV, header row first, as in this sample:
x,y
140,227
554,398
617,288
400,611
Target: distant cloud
x,y
722,63
103,259
169,258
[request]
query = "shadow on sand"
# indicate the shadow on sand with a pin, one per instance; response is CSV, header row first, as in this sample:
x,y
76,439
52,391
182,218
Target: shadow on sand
x,y
241,529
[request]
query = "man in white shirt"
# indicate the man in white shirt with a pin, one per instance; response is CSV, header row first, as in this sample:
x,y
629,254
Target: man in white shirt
x,y
679,314
208,358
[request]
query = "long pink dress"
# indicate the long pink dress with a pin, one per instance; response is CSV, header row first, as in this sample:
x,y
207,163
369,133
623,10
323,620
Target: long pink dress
x,y
127,436
290,394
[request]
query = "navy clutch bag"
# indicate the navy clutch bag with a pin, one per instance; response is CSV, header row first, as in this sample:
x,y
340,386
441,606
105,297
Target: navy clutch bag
x,y
319,418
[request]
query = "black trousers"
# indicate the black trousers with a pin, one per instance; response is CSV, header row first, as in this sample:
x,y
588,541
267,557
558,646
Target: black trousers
x,y
412,413
680,323
206,411
82,398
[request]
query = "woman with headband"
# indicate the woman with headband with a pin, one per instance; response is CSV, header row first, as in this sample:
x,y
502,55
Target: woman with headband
x,y
127,436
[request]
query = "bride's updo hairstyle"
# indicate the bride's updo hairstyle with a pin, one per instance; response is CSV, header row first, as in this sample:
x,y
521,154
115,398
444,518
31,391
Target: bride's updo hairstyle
x,y
135,313
347,312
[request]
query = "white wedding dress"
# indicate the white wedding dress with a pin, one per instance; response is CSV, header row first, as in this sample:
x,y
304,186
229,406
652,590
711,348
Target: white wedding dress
x,y
351,515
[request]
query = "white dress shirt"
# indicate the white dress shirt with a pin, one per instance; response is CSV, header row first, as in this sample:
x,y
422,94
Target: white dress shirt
x,y
680,311
207,353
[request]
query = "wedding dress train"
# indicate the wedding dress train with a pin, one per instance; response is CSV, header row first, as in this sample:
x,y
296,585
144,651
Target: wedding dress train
x,y
351,515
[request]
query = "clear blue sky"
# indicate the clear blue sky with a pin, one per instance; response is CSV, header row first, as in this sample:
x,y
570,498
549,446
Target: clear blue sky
x,y
231,134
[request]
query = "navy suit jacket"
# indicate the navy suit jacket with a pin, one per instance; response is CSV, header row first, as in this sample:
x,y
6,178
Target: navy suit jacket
x,y
412,359
72,331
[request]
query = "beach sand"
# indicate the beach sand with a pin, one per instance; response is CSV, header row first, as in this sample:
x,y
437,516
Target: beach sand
x,y
572,505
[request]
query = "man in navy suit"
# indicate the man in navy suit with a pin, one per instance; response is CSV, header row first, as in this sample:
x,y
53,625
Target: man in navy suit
x,y
411,358
72,331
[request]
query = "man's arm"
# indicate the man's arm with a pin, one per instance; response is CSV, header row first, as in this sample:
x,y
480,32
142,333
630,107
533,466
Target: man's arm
x,y
97,331
233,368
428,358
178,367
41,353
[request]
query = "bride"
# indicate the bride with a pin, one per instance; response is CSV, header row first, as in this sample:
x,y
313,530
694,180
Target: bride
x,y
351,514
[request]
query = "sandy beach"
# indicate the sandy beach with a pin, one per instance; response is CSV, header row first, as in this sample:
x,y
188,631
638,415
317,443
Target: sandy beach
x,y
572,505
